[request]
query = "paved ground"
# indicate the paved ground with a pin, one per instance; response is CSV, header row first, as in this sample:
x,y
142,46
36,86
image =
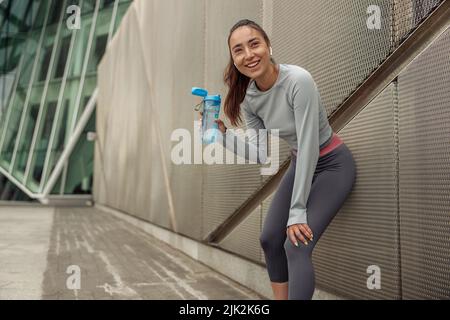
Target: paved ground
x,y
24,241
79,253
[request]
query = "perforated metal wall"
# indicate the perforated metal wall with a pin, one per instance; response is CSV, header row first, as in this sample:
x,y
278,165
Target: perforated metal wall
x,y
265,207
332,41
225,187
424,173
244,240
364,232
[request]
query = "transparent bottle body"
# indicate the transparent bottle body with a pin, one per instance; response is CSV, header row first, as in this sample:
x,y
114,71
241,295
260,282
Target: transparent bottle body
x,y
210,129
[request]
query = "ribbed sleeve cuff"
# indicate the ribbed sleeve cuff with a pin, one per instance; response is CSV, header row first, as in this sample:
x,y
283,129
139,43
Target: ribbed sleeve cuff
x,y
296,216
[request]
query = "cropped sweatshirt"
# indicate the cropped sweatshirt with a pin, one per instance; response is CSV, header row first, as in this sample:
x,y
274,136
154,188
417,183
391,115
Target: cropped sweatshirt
x,y
293,106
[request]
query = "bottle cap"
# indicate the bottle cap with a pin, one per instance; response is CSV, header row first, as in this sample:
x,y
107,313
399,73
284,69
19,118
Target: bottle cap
x,y
199,92
213,98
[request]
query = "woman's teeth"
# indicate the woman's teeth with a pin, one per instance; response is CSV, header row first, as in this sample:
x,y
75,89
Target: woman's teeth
x,y
253,65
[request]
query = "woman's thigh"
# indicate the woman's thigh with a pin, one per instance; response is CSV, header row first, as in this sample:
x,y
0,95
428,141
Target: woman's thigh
x,y
332,183
278,212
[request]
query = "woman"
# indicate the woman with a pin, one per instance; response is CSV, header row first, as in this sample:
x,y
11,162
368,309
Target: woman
x,y
321,172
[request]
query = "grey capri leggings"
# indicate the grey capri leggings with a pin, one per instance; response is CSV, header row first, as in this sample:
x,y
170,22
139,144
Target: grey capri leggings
x,y
332,182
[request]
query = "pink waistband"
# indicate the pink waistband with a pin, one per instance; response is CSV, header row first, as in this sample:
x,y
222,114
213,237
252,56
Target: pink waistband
x,y
333,144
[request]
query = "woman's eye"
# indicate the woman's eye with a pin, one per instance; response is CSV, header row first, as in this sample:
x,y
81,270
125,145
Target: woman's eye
x,y
254,44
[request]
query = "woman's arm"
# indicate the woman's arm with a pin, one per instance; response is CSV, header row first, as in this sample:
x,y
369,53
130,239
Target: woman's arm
x,y
306,105
257,141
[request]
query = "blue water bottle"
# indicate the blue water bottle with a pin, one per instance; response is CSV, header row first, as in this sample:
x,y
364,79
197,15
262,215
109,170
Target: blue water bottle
x,y
211,110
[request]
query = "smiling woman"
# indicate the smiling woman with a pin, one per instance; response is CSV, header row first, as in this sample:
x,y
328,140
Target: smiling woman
x,y
286,98
250,57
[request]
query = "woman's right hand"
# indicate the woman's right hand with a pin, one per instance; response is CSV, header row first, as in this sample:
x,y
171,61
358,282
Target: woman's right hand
x,y
222,126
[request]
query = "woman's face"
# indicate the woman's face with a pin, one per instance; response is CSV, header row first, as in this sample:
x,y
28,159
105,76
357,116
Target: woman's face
x,y
248,47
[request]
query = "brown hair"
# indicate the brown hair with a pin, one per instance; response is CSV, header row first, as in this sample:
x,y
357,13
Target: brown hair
x,y
236,81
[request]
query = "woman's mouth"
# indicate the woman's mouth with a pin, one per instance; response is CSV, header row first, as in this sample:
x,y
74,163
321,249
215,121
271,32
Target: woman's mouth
x,y
253,65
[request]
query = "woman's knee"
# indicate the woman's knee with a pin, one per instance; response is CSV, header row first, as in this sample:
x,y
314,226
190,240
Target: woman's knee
x,y
270,241
302,249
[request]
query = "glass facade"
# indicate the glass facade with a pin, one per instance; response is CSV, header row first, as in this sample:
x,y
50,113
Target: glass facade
x,y
48,72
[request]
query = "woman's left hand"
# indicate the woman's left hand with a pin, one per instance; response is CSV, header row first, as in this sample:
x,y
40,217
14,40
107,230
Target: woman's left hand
x,y
299,231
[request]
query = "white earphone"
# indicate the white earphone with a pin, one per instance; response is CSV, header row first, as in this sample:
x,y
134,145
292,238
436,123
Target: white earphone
x,y
270,55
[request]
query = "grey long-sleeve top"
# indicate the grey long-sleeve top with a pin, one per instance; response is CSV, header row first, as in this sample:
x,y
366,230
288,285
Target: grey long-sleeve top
x,y
293,106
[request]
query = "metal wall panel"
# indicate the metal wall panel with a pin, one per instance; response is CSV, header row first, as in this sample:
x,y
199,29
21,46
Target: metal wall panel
x,y
424,118
225,187
332,41
131,169
264,208
422,8
364,232
244,240
171,79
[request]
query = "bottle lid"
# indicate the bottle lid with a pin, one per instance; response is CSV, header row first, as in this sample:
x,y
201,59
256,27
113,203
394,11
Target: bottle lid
x,y
199,92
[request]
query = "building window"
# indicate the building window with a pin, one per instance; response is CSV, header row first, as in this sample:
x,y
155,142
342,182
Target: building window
x,y
65,44
45,63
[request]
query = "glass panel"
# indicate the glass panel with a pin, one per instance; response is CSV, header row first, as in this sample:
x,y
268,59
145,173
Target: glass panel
x,y
55,11
44,7
98,49
27,134
12,129
20,94
90,80
57,187
30,53
54,123
57,147
12,45
43,66
88,7
69,91
62,57
40,148
90,83
80,165
49,110
32,14
123,7
80,46
107,3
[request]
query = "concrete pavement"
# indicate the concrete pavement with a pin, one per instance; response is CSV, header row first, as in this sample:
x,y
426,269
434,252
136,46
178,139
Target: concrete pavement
x,y
85,253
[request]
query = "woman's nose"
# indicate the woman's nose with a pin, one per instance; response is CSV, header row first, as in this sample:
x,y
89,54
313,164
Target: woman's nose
x,y
248,54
